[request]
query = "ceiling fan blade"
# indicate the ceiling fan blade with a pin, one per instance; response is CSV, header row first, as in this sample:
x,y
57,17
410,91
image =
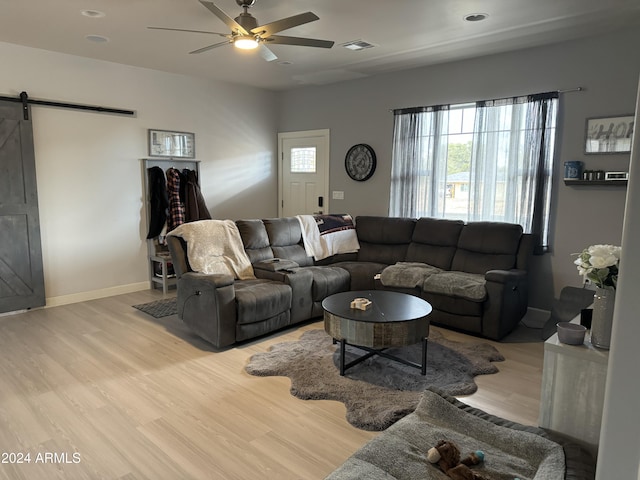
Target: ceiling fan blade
x,y
303,42
284,24
267,54
186,30
210,47
230,22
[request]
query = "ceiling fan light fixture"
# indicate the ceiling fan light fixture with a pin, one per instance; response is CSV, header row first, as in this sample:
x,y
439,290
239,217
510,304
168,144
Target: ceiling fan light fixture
x,y
246,43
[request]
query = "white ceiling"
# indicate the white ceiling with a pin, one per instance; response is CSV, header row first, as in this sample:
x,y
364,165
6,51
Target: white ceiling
x,y
407,33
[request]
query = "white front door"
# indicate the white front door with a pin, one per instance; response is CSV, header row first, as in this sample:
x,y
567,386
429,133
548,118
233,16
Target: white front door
x,y
304,172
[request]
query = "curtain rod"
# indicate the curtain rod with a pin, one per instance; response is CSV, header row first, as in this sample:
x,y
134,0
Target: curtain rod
x,y
25,100
567,90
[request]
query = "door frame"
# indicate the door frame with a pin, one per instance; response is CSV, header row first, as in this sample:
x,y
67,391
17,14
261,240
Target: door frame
x,y
324,134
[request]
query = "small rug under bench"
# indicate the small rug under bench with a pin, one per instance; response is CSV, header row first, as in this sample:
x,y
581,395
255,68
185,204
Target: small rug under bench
x,y
159,308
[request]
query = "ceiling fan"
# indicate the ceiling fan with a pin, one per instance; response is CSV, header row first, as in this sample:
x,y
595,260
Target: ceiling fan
x,y
247,34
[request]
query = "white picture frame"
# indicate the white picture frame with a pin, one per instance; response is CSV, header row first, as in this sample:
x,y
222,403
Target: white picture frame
x,y
171,144
609,134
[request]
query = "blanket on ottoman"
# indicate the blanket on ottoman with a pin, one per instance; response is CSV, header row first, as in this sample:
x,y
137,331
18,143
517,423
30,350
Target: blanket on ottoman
x,y
401,451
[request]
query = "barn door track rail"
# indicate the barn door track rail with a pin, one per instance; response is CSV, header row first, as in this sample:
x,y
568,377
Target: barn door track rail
x,y
26,101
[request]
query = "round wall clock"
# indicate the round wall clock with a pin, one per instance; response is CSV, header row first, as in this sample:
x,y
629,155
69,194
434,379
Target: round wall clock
x,y
360,162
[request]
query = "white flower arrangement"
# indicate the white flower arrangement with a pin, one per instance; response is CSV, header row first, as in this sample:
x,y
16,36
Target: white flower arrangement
x,y
599,263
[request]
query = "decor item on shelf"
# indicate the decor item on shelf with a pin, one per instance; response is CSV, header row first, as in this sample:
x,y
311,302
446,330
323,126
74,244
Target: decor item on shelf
x,y
571,333
602,317
572,170
599,264
609,134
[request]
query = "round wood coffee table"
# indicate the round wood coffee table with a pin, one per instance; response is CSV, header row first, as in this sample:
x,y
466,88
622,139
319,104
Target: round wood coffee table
x,y
392,320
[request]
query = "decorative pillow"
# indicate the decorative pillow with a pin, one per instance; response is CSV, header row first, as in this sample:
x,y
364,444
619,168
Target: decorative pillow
x,y
470,286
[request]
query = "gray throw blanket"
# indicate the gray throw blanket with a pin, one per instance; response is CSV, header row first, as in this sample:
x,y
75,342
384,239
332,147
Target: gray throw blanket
x,y
407,274
401,451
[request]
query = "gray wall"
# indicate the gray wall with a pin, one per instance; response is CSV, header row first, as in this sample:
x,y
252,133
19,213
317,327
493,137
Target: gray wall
x,y
359,112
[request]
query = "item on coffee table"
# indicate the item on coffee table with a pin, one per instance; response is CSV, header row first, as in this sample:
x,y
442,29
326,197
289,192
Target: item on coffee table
x,y
361,303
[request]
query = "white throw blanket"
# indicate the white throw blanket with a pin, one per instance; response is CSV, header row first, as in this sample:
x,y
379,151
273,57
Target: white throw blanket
x,y
320,242
215,246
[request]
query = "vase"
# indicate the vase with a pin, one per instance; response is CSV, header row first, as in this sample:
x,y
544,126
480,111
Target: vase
x,y
602,319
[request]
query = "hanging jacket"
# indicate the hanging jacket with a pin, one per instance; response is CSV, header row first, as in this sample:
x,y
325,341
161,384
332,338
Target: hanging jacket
x,y
158,201
176,207
194,204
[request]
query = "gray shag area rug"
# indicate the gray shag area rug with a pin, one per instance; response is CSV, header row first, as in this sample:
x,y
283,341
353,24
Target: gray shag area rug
x,y
159,308
377,392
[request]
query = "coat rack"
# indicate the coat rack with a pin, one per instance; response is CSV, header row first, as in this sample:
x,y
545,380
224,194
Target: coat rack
x,y
158,254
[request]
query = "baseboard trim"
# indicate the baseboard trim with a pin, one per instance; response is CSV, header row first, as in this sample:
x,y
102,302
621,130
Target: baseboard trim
x,y
95,294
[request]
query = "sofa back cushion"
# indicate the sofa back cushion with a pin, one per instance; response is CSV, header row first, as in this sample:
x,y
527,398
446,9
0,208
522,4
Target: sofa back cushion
x,y
255,239
485,246
384,239
285,237
434,242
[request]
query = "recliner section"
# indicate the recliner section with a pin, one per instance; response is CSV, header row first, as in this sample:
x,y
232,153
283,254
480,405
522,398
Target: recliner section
x,y
290,286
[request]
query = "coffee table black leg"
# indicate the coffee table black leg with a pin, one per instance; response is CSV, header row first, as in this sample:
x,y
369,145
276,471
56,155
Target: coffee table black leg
x,y
343,344
424,356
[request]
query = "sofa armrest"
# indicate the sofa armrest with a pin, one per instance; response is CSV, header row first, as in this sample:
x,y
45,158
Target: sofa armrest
x,y
275,265
207,281
301,282
206,303
506,304
505,276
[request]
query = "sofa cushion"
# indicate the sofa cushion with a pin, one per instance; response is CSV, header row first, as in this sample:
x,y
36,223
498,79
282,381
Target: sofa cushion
x,y
454,306
285,237
258,300
470,286
362,273
383,239
255,240
327,281
434,242
485,246
407,274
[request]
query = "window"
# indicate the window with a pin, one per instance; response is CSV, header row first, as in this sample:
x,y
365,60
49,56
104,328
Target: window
x,y
303,160
489,161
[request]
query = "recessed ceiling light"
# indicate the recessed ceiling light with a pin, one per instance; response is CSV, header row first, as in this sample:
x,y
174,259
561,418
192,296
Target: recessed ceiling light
x,y
476,17
92,13
356,45
97,38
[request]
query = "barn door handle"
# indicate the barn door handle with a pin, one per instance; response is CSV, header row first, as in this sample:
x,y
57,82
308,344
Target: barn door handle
x,y
320,201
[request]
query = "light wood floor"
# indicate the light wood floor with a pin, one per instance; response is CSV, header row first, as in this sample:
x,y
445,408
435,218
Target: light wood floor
x,y
138,397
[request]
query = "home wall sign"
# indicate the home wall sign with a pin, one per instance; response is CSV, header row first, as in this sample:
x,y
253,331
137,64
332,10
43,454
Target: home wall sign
x,y
165,143
609,134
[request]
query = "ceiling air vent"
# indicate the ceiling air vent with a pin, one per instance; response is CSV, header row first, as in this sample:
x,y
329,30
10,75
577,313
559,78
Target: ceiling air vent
x,y
356,45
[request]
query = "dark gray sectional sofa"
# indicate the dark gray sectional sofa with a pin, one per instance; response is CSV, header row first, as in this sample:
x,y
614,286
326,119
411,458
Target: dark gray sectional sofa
x,y
474,275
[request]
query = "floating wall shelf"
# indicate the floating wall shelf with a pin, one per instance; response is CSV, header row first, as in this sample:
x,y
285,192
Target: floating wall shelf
x,y
611,183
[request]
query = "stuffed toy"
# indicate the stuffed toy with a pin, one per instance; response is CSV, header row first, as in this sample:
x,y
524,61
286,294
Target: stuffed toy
x,y
447,455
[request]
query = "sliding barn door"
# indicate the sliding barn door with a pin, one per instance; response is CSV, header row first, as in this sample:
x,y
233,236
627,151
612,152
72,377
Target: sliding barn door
x,y
21,276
